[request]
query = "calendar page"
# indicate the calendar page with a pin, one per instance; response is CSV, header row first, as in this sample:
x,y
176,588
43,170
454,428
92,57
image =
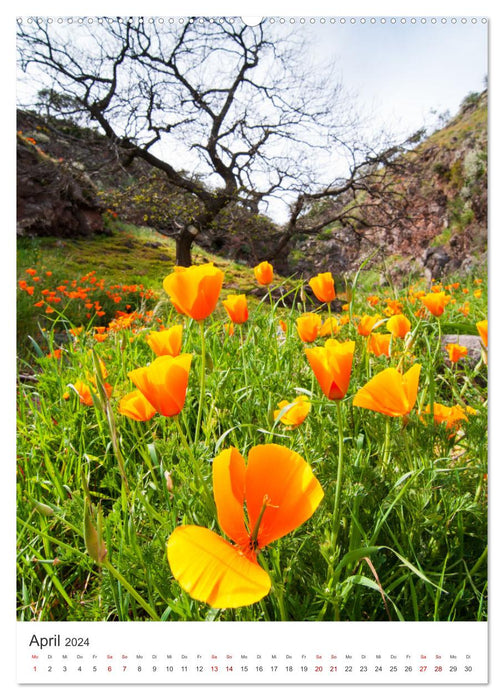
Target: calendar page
x,y
252,350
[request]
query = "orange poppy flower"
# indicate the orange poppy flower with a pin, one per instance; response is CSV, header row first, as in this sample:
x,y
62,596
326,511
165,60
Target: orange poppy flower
x,y
379,344
332,366
393,307
372,299
482,327
236,307
164,382
329,327
398,325
465,308
390,392
85,394
264,273
436,302
323,287
296,413
166,342
276,501
194,290
134,405
449,415
308,327
455,351
368,323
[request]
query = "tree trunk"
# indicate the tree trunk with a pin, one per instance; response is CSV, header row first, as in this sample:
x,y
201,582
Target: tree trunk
x,y
183,245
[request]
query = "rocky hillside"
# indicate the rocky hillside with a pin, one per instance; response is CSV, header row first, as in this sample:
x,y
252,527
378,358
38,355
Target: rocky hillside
x,y
61,172
70,179
444,183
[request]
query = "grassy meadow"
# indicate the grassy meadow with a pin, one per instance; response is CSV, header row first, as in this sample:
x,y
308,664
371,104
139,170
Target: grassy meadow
x,y
397,528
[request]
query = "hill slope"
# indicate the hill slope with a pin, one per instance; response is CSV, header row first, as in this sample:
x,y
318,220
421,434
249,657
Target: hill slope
x,y
445,189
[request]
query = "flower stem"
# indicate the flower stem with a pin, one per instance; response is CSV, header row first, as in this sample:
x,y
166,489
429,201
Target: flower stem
x,y
332,578
386,446
329,312
243,356
432,377
270,297
109,414
202,383
339,478
406,441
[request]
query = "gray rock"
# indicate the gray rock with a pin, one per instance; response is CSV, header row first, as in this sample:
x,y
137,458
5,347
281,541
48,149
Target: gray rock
x,y
471,342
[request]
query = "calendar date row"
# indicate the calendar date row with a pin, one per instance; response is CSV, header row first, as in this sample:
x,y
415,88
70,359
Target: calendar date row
x,y
253,669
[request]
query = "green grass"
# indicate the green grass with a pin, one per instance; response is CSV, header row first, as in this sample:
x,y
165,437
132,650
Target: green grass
x,y
471,122
411,524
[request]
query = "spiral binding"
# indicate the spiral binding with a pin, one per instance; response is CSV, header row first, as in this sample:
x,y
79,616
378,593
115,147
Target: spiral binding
x,y
253,21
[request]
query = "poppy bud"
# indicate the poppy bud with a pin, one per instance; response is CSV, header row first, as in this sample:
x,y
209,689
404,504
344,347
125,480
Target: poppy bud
x,y
264,273
92,538
323,287
169,482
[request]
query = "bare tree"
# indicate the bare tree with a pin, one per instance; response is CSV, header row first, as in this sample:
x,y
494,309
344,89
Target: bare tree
x,y
240,107
372,195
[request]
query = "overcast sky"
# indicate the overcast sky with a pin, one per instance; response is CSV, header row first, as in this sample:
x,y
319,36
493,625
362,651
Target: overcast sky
x,y
401,71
